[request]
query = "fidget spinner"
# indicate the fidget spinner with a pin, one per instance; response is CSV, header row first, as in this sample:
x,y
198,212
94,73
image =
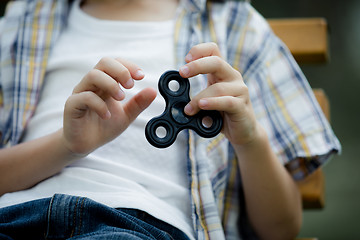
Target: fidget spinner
x,y
161,131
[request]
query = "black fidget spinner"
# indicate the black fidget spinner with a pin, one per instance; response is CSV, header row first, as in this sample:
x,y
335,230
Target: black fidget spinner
x,y
161,131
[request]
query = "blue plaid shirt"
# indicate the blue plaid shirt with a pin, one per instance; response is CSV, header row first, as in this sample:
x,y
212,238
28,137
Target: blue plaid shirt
x,y
281,97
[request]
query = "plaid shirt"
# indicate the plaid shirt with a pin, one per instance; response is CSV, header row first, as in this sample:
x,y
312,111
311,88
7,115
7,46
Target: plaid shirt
x,y
282,99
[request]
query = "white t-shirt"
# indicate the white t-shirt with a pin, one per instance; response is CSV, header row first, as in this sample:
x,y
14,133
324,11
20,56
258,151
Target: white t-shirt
x,y
127,172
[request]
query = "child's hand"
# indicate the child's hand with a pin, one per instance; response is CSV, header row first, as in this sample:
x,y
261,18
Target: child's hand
x,y
93,114
226,92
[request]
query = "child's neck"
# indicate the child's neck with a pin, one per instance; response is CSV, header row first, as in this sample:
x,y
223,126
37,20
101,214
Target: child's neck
x,y
131,10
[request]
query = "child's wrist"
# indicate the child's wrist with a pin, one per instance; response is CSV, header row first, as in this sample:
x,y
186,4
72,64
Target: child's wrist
x,y
259,141
67,153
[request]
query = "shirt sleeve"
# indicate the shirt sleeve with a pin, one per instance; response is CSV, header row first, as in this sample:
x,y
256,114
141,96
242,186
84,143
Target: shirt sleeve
x,y
282,99
9,25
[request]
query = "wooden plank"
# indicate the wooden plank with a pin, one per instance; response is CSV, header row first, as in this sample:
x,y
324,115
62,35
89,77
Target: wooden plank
x,y
306,38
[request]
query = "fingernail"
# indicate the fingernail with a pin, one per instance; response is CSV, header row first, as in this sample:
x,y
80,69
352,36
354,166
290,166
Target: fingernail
x,y
140,73
188,57
120,95
203,102
107,115
129,83
184,70
188,109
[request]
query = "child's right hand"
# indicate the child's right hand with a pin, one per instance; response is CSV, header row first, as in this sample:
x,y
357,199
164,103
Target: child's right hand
x,y
94,113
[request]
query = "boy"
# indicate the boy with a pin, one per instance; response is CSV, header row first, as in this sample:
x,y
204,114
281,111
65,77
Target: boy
x,y
85,137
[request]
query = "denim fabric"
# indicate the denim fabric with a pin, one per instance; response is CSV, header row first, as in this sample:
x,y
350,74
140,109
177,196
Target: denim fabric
x,y
71,217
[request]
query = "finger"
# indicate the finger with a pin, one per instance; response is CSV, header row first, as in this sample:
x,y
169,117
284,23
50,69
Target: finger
x,y
227,104
210,65
100,83
135,71
203,50
233,89
77,105
139,103
124,72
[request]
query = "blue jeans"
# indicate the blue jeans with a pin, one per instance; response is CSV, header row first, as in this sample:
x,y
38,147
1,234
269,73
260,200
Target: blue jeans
x,y
70,217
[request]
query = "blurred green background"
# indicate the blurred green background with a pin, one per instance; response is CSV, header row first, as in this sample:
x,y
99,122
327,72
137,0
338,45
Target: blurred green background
x,y
340,219
340,78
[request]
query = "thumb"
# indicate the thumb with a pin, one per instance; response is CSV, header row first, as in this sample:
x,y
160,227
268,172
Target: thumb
x,y
139,103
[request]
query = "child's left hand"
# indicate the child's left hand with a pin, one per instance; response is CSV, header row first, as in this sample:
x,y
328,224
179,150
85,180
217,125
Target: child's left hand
x,y
226,92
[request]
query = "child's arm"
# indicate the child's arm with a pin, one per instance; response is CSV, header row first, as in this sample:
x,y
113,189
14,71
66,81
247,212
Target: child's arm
x,y
26,164
93,116
271,196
